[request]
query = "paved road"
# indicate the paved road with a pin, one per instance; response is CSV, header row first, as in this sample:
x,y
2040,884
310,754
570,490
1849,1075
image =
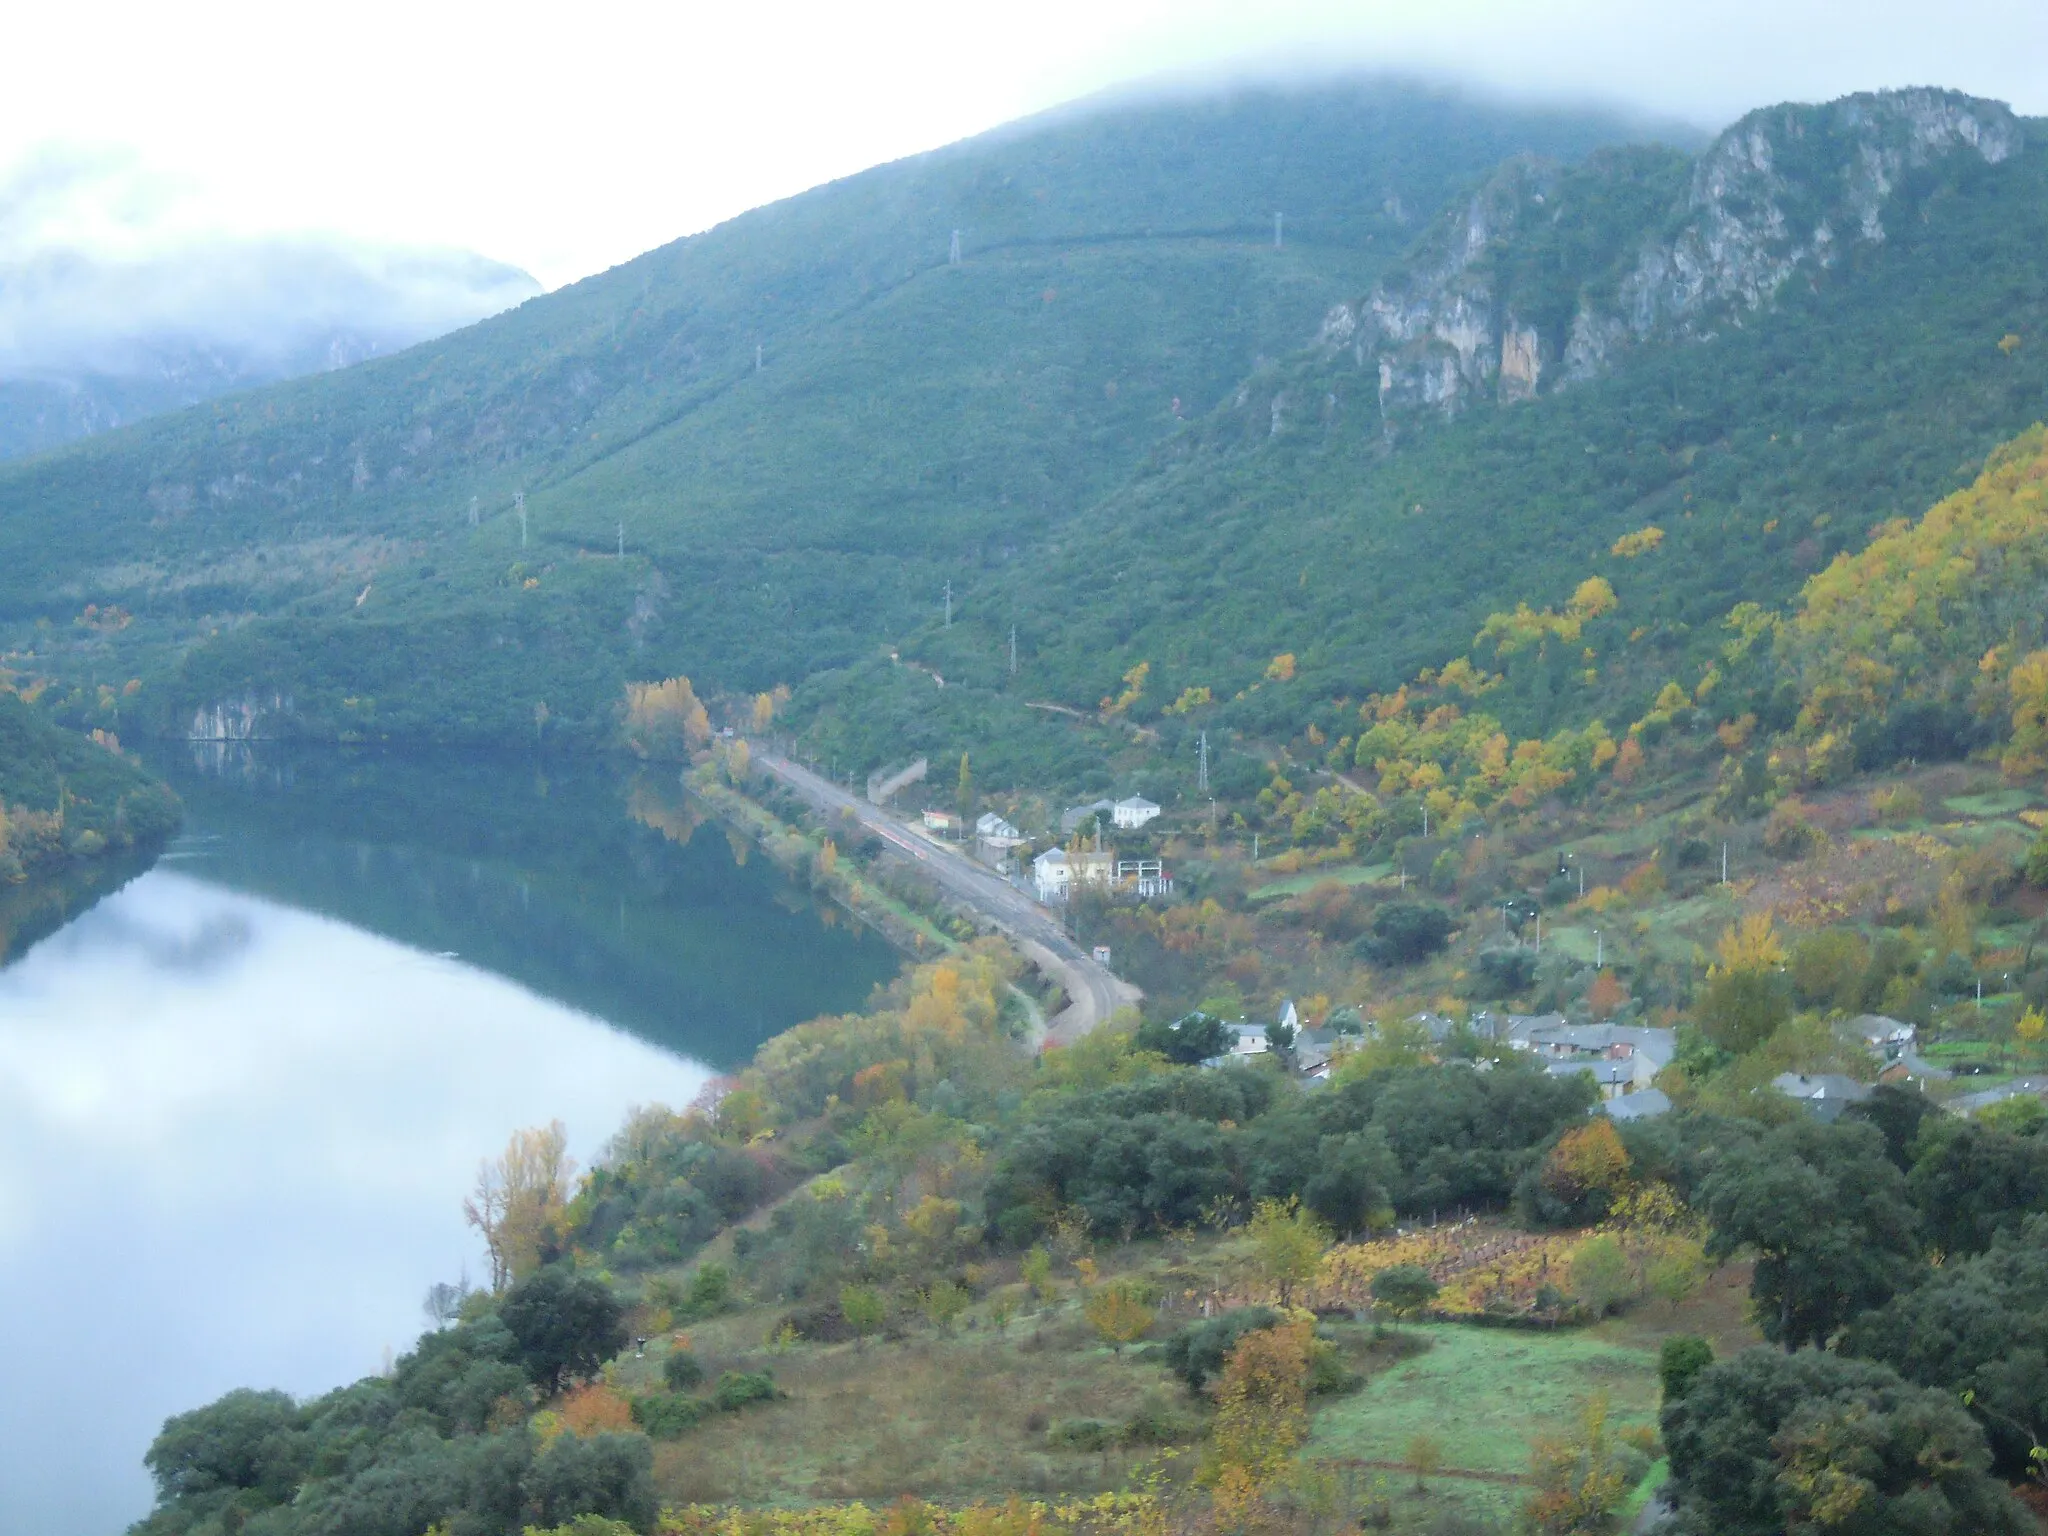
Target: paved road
x,y
1093,992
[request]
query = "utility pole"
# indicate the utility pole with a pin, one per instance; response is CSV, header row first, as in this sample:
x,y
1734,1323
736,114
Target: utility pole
x,y
1255,847
1539,931
519,506
949,605
953,257
1599,950
1404,874
1202,768
472,511
1013,650
1425,819
1276,231
1582,882
1724,865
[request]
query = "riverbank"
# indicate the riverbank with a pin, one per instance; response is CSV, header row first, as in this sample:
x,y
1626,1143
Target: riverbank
x,y
1094,993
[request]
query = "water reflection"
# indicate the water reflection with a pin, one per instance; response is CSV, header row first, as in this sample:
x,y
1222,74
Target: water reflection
x,y
233,1139
242,1097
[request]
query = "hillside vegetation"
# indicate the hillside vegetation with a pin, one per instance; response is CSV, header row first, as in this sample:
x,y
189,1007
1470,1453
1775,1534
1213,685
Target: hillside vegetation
x,y
806,420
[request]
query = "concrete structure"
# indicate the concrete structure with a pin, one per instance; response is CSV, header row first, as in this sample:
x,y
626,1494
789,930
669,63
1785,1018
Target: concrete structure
x,y
1823,1094
941,821
1134,812
1147,879
1884,1038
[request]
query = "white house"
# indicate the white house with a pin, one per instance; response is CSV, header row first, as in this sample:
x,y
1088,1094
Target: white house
x,y
1134,812
1051,873
940,821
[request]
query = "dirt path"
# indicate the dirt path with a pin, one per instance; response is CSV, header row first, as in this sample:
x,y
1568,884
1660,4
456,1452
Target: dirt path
x,y
1093,992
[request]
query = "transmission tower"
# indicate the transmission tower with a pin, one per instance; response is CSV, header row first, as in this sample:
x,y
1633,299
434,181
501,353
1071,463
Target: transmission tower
x,y
1202,770
519,506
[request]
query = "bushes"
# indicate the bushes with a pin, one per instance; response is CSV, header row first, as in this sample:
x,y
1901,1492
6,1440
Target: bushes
x,y
682,1370
742,1389
1198,1352
667,1415
1769,1442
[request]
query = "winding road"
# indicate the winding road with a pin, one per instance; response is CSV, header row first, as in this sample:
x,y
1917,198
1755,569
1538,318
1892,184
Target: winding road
x,y
1093,991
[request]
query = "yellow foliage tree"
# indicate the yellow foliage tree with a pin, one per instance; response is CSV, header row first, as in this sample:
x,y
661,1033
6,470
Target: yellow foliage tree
x,y
1641,542
519,1199
1134,690
1119,1312
1288,1244
1909,616
1261,1414
1281,668
2027,687
664,719
764,711
1751,946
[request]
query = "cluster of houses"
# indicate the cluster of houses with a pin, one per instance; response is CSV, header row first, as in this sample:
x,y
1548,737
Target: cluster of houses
x,y
1058,872
1624,1059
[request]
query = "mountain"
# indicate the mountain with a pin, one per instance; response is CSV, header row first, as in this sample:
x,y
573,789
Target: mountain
x,y
1826,321
800,425
88,344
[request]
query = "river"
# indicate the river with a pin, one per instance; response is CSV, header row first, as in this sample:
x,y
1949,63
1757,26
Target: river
x,y
243,1094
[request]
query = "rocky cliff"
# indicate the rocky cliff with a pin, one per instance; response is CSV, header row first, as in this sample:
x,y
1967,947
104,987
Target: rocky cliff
x,y
1546,273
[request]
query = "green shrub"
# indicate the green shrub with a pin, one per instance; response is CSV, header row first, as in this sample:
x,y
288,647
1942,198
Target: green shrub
x,y
741,1389
682,1370
1197,1352
666,1415
1082,1435
1682,1358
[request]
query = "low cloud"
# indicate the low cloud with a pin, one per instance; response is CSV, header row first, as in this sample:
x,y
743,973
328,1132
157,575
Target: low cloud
x,y
105,270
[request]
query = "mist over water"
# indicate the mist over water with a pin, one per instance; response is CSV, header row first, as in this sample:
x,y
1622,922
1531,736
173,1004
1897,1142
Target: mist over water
x,y
236,1130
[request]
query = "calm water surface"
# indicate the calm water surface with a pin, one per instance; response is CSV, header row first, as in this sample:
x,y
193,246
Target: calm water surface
x,y
241,1097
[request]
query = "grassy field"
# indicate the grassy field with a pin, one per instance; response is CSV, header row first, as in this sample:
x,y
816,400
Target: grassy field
x,y
954,1415
1344,874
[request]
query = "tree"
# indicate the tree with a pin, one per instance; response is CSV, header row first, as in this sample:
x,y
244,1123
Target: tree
x,y
665,720
864,1310
1578,1476
1601,1275
1977,1329
1036,1272
244,1441
1746,996
1404,1289
963,791
1606,995
1407,931
1425,1456
1681,1359
1584,1174
1119,1312
1192,1038
764,712
1352,1185
519,1200
1976,1181
564,1325
1766,1443
1261,1414
1287,1245
1828,1216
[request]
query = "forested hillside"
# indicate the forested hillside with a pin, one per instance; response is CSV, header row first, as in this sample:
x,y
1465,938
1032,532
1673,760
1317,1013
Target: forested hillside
x,y
799,425
63,797
1365,540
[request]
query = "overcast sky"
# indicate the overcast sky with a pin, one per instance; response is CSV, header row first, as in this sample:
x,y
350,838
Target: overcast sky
x,y
566,137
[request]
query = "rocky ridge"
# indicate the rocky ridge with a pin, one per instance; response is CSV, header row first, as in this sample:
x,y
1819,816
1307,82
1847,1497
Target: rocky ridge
x,y
1547,273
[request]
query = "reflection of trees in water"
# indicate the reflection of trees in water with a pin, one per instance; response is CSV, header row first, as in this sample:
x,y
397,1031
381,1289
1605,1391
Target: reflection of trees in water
x,y
582,882
36,908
